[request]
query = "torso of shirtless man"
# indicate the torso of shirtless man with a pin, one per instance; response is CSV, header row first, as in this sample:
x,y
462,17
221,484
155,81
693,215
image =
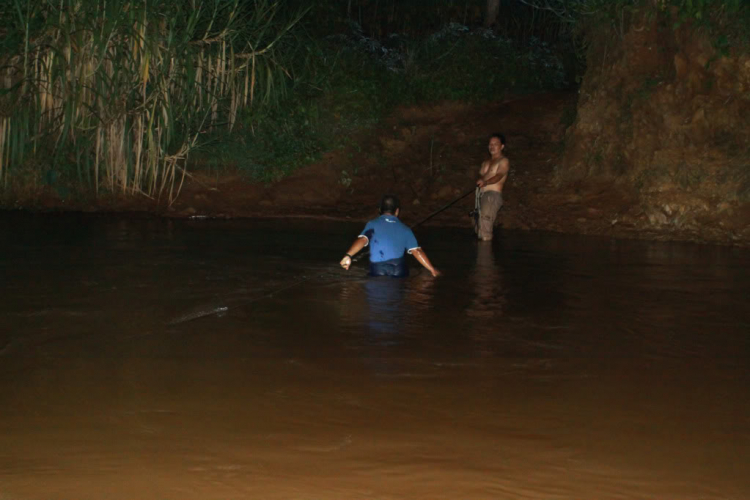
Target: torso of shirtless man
x,y
494,171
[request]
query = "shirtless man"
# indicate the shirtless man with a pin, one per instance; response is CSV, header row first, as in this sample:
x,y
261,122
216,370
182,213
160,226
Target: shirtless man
x,y
492,177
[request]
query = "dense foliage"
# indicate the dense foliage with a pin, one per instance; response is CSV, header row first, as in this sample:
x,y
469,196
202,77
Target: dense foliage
x,y
346,81
118,94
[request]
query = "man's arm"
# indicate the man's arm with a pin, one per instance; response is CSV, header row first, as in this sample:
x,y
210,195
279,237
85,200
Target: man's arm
x,y
358,245
482,171
421,257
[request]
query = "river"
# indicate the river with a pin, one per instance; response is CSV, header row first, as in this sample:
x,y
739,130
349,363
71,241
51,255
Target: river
x,y
157,359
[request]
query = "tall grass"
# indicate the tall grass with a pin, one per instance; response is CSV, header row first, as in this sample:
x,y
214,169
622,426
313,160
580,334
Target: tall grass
x,y
123,89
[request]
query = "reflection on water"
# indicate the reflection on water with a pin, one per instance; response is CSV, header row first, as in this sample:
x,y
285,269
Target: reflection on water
x,y
537,366
488,301
487,279
384,299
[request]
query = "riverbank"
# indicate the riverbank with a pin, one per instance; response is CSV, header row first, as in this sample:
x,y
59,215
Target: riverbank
x,y
429,156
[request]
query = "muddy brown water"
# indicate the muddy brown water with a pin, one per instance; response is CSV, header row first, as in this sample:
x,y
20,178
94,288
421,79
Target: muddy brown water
x,y
540,366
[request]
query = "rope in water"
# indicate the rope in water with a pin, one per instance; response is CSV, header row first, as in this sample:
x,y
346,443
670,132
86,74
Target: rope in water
x,y
202,313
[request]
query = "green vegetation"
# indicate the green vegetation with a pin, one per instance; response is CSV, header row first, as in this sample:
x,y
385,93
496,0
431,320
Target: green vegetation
x,y
726,21
345,84
117,93
417,19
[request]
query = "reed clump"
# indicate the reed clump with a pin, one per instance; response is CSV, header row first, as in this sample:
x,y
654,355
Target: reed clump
x,y
118,92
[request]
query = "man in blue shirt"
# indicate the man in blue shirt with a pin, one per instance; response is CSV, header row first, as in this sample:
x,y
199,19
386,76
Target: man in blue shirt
x,y
389,240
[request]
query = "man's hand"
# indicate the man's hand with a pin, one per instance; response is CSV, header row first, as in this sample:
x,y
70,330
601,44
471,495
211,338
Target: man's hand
x,y
346,262
421,257
481,183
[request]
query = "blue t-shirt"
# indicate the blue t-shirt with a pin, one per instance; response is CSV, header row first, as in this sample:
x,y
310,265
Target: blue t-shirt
x,y
389,238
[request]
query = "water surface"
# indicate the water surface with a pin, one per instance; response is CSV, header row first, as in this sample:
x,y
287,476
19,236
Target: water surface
x,y
537,366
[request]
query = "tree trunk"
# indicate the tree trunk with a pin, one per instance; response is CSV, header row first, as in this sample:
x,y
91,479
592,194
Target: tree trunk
x,y
490,16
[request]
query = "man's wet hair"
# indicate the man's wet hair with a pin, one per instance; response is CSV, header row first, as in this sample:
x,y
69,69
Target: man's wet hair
x,y
389,204
499,136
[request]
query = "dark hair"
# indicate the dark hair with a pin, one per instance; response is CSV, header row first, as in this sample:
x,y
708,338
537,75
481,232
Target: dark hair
x,y
499,136
389,204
